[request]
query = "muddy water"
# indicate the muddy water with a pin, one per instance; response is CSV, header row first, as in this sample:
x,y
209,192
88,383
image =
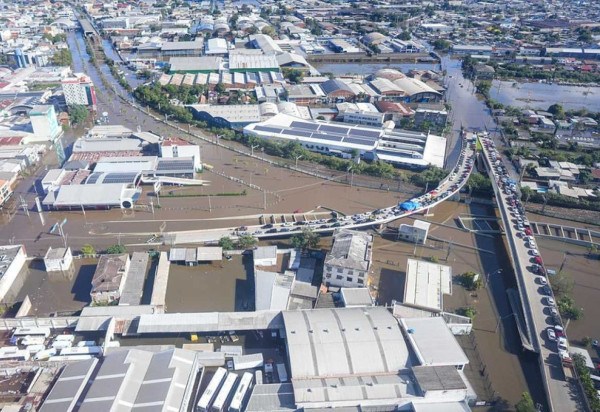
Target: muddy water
x,y
219,287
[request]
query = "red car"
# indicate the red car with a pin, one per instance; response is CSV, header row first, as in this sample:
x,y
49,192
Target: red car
x,y
538,260
528,231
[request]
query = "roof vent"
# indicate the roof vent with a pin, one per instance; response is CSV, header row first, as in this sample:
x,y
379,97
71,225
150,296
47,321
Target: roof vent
x,y
357,329
310,331
293,332
326,330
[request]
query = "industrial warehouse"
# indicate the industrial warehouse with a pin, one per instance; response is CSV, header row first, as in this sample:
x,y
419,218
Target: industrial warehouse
x,y
398,147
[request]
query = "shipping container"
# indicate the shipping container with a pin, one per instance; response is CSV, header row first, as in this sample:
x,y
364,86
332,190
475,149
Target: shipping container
x,y
33,340
232,350
64,338
61,344
32,349
22,332
84,350
211,390
254,360
13,353
281,372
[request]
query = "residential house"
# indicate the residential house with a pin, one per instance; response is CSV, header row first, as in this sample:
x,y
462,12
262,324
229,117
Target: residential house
x,y
349,261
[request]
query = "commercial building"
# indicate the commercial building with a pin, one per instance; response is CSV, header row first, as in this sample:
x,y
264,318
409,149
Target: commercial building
x,y
92,196
44,123
356,297
415,233
253,63
12,260
265,256
174,147
133,284
109,278
272,290
426,284
79,90
204,64
5,191
235,116
349,261
58,260
359,359
127,379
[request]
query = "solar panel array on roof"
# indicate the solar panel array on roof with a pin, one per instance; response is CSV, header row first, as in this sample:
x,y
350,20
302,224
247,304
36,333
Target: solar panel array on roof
x,y
333,138
307,126
174,165
300,133
333,129
357,141
119,178
268,129
366,133
93,178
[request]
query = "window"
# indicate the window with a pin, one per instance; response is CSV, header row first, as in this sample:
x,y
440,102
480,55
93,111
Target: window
x,y
328,268
360,281
340,270
349,279
328,275
351,272
339,277
361,274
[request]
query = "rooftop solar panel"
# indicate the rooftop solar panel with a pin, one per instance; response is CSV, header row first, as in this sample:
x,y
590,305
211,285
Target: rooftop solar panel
x,y
366,133
306,126
175,165
299,133
267,129
119,178
93,178
333,129
354,140
329,137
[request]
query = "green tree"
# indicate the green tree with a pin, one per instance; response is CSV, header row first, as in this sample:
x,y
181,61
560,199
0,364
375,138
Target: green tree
x,y
525,404
467,311
62,58
441,44
557,111
116,250
226,243
471,280
404,35
293,75
308,239
269,31
246,241
562,284
78,113
220,88
88,250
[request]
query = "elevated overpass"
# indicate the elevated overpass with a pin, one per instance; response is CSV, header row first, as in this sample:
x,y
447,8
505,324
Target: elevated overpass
x,y
562,394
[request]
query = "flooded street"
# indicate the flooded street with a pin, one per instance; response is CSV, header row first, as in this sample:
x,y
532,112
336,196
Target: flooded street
x,y
542,95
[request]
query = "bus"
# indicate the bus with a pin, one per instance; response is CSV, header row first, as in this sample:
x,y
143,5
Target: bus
x,y
243,391
84,350
211,390
13,353
225,393
282,373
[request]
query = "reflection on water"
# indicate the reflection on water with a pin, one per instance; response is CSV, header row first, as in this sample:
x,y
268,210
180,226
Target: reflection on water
x,y
542,95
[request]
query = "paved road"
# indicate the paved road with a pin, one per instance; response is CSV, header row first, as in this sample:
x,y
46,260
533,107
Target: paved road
x,y
562,396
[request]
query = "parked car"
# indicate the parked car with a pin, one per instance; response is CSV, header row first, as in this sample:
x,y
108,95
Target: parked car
x,y
551,334
550,301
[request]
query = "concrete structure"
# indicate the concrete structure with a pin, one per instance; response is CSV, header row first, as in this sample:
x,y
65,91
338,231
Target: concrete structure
x,y
133,285
272,290
127,379
415,233
235,116
349,261
109,279
58,260
356,297
79,90
104,196
12,260
5,191
44,123
265,256
161,280
174,147
426,284
204,64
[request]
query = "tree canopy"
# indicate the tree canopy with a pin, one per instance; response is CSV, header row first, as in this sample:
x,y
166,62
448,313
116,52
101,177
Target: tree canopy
x,y
307,239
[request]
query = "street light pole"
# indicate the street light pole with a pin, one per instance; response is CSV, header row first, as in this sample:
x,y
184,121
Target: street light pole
x,y
487,276
297,158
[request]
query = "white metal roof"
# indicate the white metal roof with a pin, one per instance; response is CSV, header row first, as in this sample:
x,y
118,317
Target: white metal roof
x,y
426,283
433,342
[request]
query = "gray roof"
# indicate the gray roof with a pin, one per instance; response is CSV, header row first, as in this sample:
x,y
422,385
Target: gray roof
x,y
272,398
57,253
203,63
106,194
161,280
252,61
209,321
207,253
106,144
264,252
334,85
272,290
69,386
433,342
356,297
142,379
134,283
351,249
182,45
344,342
109,273
438,378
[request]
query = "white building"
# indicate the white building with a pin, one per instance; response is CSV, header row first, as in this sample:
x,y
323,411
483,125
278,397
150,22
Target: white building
x,y
44,123
348,262
173,147
265,256
426,284
12,260
79,90
417,233
58,260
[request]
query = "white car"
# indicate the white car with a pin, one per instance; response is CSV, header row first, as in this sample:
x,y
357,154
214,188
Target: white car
x,y
534,252
531,245
542,280
562,344
550,301
553,311
551,334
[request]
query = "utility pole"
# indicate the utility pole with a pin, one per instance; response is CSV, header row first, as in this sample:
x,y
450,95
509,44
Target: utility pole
x,y
252,149
209,204
84,215
298,158
24,205
264,199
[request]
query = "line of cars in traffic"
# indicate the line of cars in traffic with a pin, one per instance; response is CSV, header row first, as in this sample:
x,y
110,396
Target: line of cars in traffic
x,y
555,332
446,188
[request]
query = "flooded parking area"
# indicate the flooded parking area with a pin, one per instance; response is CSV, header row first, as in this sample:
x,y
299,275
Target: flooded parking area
x,y
57,293
224,286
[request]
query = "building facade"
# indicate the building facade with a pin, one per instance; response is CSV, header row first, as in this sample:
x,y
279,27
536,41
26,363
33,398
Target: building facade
x,y
348,262
44,123
79,90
